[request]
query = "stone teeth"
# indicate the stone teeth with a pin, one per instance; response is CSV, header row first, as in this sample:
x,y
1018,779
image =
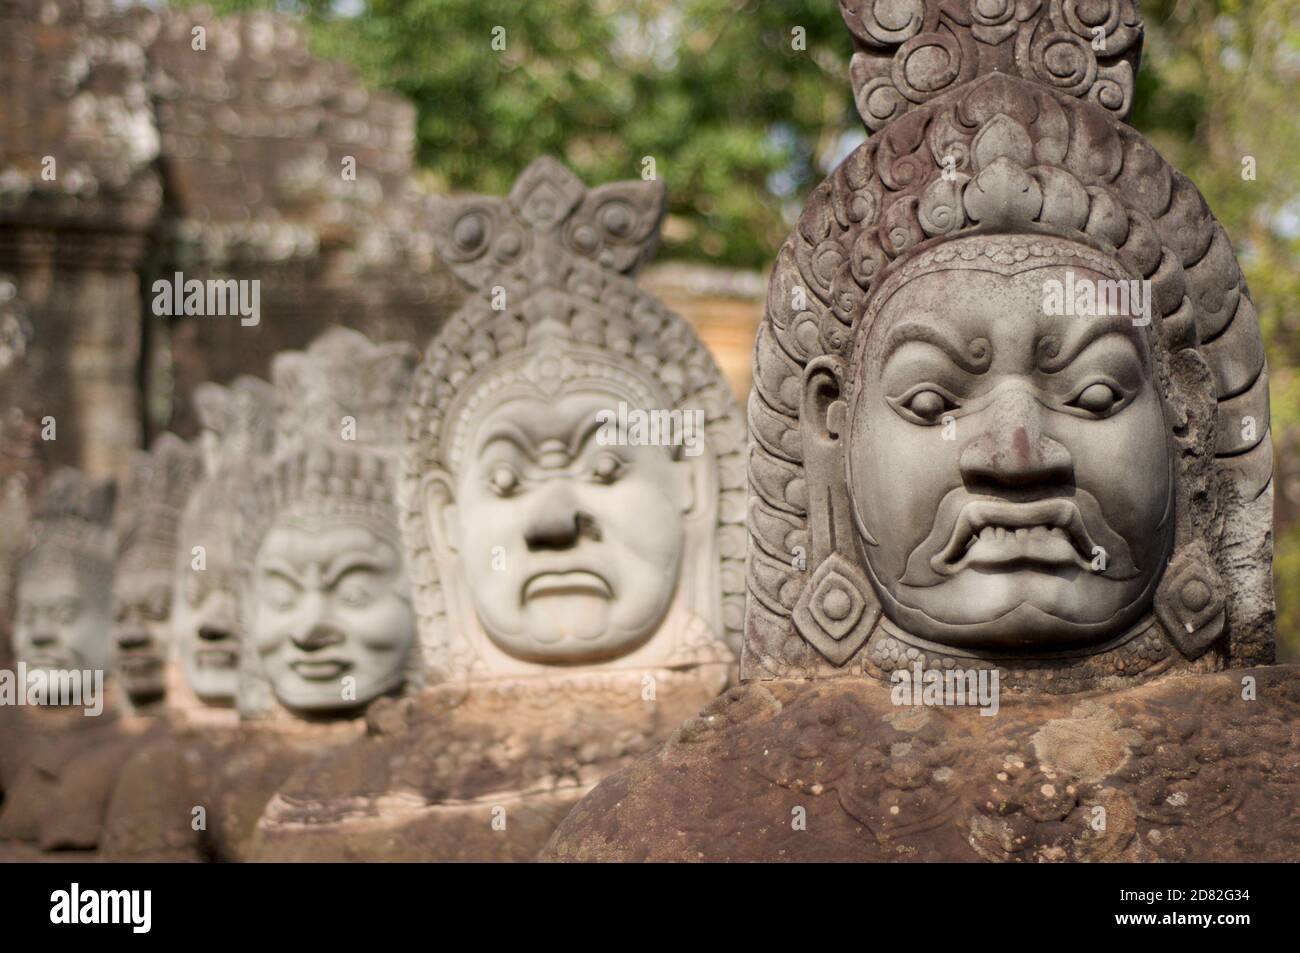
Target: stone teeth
x,y
1022,534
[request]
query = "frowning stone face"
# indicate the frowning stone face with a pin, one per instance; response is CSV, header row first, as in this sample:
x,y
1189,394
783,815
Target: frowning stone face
x,y
332,619
63,620
1010,470
571,549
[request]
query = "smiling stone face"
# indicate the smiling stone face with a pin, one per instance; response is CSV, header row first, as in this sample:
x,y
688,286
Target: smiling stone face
x,y
572,549
332,621
1010,470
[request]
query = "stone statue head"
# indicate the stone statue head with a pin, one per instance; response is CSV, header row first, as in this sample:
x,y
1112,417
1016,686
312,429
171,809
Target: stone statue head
x,y
1010,399
238,427
326,605
572,487
65,581
148,513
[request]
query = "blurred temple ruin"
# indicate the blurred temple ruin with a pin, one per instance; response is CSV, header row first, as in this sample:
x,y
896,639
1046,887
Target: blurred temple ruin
x,y
138,143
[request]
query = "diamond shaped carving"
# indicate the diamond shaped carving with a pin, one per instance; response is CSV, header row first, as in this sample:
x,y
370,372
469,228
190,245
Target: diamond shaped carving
x,y
837,609
1190,602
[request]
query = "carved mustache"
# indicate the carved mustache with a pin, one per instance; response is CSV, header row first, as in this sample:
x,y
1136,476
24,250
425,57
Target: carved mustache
x,y
961,520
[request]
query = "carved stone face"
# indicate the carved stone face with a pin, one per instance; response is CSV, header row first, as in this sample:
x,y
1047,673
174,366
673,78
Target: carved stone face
x,y
1000,458
142,600
572,550
331,616
204,619
63,621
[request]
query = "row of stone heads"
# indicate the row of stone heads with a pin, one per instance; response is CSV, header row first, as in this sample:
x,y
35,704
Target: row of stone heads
x,y
557,485
938,466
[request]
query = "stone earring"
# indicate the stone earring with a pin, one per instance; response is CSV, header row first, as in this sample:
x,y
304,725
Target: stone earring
x,y
837,609
1190,602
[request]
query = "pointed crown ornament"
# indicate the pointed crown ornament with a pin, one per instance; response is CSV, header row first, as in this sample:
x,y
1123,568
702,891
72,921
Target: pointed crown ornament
x,y
338,409
74,526
238,430
149,508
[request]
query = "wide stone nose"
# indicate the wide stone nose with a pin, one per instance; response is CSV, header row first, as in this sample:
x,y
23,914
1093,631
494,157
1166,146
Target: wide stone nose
x,y
318,637
556,521
1013,450
213,633
133,640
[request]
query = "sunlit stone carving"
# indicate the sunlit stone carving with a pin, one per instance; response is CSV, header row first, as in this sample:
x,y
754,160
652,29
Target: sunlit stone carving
x,y
328,617
1011,444
541,538
148,513
976,474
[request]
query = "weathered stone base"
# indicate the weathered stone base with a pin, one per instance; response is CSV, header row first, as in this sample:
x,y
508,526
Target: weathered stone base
x,y
61,769
230,773
479,773
1180,769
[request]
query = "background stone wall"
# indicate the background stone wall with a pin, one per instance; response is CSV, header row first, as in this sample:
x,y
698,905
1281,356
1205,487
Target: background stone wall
x,y
138,143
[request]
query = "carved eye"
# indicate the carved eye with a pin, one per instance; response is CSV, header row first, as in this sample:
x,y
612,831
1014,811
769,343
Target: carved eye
x,y
607,468
158,605
504,481
1097,398
354,592
928,405
279,594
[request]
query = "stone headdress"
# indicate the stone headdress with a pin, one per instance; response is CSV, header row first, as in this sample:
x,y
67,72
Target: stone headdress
x,y
338,424
149,508
74,527
238,422
553,266
997,138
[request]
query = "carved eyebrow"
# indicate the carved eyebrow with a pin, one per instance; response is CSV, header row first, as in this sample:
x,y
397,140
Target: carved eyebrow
x,y
351,562
1052,356
582,435
974,359
282,569
510,433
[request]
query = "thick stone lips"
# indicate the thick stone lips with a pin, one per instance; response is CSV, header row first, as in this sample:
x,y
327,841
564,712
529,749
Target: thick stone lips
x,y
962,515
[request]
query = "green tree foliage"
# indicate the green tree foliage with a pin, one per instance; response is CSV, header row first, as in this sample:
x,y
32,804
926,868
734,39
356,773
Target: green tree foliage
x,y
738,121
745,105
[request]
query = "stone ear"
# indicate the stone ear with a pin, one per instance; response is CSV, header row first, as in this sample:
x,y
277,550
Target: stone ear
x,y
691,487
822,412
837,608
439,505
